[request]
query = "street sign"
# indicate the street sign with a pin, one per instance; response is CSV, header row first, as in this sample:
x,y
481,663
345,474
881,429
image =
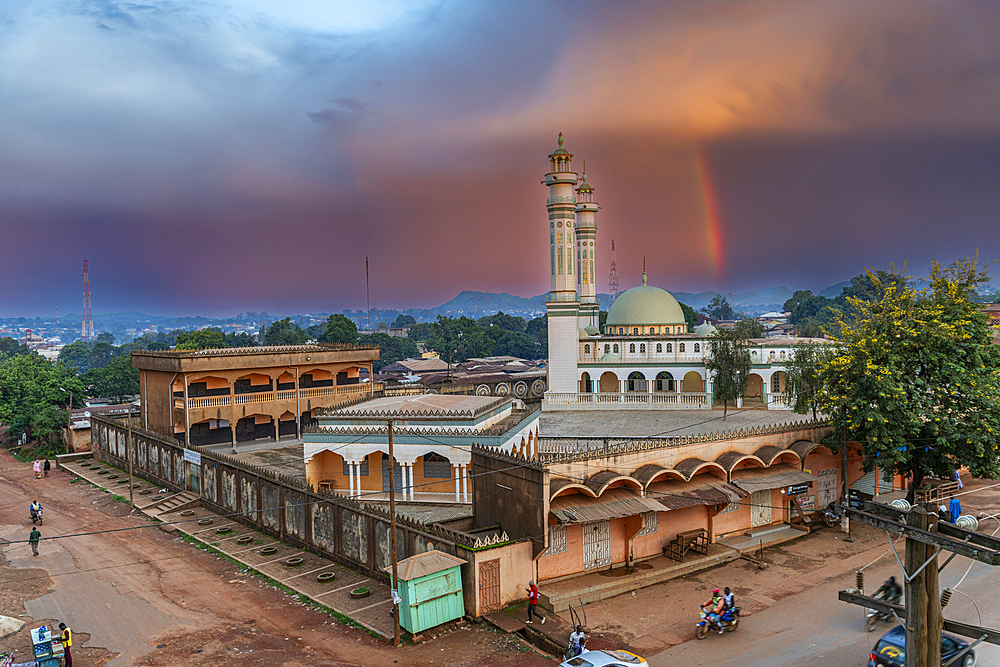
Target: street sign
x,y
192,456
798,489
856,499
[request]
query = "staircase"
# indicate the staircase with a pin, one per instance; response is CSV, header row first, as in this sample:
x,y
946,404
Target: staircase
x,y
174,503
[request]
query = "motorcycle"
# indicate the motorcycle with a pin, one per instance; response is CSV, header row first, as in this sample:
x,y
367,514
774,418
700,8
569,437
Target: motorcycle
x,y
571,651
36,517
830,515
875,617
729,619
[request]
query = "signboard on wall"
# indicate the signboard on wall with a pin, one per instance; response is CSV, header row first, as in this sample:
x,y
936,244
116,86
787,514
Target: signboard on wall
x,y
856,499
798,489
192,456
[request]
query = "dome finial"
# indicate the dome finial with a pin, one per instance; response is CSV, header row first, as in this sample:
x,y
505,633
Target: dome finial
x,y
644,270
560,140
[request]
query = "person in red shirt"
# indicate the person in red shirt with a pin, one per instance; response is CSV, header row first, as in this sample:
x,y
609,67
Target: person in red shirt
x,y
533,602
715,607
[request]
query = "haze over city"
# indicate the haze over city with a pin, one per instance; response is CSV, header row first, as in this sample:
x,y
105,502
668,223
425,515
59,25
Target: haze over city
x,y
212,158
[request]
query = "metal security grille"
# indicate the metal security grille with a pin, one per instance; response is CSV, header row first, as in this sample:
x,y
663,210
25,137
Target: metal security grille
x,y
557,539
650,527
437,469
489,586
363,468
760,508
826,487
596,544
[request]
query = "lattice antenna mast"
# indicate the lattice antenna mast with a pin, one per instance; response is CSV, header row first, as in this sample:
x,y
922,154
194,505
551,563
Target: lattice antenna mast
x,y
613,278
88,318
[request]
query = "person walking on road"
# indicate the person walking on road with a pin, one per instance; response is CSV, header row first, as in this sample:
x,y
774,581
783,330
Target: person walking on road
x,y
533,602
33,540
46,467
37,467
67,641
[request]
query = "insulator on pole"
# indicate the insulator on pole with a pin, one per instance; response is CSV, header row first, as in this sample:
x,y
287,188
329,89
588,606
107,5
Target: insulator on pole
x,y
901,505
946,597
859,580
968,522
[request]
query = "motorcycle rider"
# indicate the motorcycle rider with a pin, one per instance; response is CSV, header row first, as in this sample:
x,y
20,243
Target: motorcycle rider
x,y
33,509
729,597
890,591
577,642
715,607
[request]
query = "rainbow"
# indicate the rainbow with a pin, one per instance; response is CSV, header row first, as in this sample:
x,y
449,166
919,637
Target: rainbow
x,y
709,211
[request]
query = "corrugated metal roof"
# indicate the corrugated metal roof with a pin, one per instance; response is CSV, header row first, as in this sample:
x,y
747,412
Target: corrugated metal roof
x,y
775,477
423,564
613,504
675,495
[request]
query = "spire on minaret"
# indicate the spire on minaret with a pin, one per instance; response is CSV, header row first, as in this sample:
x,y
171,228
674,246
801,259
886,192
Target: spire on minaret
x,y
643,269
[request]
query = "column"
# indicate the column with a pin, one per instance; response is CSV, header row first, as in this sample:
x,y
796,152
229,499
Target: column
x,y
455,471
465,484
277,422
187,417
739,401
350,475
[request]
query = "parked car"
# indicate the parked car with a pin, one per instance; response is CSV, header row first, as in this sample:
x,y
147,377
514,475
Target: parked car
x,y
605,659
889,651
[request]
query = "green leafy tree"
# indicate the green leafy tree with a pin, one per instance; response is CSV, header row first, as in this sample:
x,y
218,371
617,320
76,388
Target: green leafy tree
x,y
117,380
729,361
100,354
339,329
284,332
804,378
419,331
158,347
34,395
503,321
538,329
602,319
690,316
202,339
76,355
916,377
240,339
11,348
719,308
391,348
106,337
750,327
516,344
404,321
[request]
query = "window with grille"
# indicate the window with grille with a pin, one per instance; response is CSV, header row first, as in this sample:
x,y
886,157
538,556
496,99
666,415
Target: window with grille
x,y
680,347
557,539
363,468
650,528
586,349
635,331
659,347
697,347
436,466
731,507
670,347
616,348
642,349
631,348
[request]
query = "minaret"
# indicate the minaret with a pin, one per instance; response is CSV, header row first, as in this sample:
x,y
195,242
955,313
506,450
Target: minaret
x,y
562,307
586,237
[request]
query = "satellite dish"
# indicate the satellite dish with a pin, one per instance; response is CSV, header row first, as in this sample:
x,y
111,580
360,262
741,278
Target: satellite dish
x,y
86,413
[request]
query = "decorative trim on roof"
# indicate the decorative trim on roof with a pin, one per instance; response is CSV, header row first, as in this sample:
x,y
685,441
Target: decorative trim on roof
x,y
438,413
264,349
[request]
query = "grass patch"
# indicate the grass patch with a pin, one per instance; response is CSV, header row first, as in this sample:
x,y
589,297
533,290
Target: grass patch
x,y
304,599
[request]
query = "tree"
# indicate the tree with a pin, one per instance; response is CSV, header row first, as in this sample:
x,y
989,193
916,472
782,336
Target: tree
x,y
728,360
240,339
100,354
202,339
391,348
106,337
76,355
404,321
719,308
750,327
283,332
804,378
339,329
502,321
516,344
117,381
34,394
916,377
690,315
11,348
419,331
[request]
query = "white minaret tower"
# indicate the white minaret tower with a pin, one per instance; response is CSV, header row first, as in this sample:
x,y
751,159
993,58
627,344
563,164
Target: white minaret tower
x,y
562,307
586,237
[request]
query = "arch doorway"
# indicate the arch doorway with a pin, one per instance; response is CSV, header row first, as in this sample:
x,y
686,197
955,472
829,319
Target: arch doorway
x,y
636,382
586,386
693,382
664,381
609,383
754,394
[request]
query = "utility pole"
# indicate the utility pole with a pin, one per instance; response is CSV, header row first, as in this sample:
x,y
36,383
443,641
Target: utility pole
x,y
925,537
392,512
128,449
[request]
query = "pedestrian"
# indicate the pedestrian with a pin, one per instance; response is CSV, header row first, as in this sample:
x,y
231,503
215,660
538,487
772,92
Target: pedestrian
x,y
46,467
533,602
955,508
33,539
37,467
67,641
957,478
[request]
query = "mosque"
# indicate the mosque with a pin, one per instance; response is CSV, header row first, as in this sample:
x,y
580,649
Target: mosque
x,y
644,358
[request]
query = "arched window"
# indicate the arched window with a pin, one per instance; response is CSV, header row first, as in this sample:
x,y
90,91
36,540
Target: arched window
x,y
586,349
697,347
631,348
642,348
607,348
670,348
621,331
652,330
659,348
753,354
680,347
770,357
635,331
782,355
664,381
616,348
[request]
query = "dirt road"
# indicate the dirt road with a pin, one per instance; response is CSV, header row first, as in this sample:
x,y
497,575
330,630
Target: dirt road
x,y
143,597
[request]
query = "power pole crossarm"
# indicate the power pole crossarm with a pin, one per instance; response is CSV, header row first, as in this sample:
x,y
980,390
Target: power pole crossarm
x,y
954,627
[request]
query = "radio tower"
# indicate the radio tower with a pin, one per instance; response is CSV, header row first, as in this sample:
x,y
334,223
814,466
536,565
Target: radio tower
x,y
613,278
88,319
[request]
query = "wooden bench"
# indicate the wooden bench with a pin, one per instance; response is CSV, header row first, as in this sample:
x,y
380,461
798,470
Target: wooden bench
x,y
690,540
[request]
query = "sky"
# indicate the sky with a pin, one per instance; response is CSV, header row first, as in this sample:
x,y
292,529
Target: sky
x,y
218,157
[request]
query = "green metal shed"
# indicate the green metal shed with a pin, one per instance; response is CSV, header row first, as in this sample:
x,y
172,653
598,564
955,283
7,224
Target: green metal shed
x,y
430,590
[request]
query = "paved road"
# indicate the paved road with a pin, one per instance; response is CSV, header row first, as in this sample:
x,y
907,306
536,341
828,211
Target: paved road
x,y
815,628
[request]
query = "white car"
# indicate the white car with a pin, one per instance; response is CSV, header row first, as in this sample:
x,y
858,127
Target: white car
x,y
605,659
